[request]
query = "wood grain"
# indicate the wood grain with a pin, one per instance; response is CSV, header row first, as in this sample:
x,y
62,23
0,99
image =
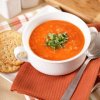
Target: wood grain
x,y
89,10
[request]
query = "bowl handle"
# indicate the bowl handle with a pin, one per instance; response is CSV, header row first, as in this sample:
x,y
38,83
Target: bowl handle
x,y
20,53
94,32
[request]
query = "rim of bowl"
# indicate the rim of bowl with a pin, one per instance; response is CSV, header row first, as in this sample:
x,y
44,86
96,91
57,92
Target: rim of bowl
x,y
55,61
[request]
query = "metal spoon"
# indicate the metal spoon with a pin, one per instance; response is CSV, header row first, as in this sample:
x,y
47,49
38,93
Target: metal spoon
x,y
92,53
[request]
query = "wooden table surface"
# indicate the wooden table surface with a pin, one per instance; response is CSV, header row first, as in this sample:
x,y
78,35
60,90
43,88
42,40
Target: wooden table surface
x,y
89,10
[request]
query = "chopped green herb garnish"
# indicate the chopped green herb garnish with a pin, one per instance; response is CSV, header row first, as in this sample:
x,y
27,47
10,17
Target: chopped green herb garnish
x,y
56,41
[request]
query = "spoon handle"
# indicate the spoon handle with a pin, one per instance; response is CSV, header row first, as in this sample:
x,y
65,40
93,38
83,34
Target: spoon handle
x,y
71,88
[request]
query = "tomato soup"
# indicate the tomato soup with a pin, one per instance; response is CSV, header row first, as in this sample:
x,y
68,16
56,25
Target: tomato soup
x,y
71,48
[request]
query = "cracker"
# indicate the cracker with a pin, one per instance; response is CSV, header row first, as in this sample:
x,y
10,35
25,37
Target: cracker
x,y
6,68
8,41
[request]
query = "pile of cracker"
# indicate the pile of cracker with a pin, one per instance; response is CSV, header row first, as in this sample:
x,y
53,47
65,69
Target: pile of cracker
x,y
9,40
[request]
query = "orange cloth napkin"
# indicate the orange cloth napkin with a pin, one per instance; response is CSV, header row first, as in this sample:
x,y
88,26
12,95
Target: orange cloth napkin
x,y
33,83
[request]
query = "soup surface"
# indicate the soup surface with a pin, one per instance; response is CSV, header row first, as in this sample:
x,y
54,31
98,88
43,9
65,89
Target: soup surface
x,y
72,47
